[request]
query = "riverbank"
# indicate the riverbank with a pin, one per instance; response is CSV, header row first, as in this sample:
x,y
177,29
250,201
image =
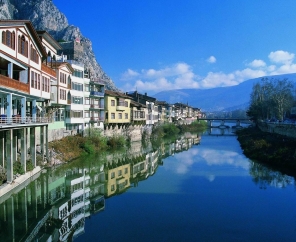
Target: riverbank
x,y
274,150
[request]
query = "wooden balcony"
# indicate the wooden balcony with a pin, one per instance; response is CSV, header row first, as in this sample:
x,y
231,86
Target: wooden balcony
x,y
14,84
48,70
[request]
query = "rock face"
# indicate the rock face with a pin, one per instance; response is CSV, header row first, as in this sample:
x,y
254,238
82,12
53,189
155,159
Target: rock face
x,y
44,15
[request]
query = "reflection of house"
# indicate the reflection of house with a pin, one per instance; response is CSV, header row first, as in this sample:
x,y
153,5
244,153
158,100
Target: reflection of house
x,y
71,210
97,190
117,177
54,206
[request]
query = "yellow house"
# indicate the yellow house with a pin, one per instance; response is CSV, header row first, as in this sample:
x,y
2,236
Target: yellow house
x,y
117,108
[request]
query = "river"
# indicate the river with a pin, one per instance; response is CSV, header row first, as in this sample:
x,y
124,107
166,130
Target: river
x,y
197,188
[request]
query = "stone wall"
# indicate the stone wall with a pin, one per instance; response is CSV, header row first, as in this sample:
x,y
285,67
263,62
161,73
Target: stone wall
x,y
133,132
283,129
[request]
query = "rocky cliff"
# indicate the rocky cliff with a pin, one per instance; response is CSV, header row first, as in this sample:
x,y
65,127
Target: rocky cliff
x,y
44,15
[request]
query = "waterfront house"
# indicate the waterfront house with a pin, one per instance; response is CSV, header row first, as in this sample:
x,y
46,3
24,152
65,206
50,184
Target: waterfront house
x,y
150,102
24,93
117,112
96,103
138,112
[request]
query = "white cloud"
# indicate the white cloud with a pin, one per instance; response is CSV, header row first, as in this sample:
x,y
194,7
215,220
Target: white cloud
x,y
129,74
257,63
281,57
212,59
287,68
181,75
213,158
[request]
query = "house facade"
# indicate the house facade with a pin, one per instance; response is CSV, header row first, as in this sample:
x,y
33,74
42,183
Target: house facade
x,y
117,108
24,93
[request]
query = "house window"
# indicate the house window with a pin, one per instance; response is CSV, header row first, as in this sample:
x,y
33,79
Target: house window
x,y
63,78
112,103
112,175
38,82
34,55
126,103
120,115
35,80
62,94
119,173
112,187
125,170
112,115
126,115
45,84
22,46
8,38
77,100
32,79
86,100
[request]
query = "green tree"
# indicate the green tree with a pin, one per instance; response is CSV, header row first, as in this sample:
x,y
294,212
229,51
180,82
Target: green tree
x,y
270,98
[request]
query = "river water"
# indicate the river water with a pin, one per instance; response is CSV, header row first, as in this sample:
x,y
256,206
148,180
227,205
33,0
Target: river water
x,y
197,188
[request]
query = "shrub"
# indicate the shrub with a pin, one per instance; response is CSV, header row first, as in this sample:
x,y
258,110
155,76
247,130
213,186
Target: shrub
x,y
18,168
29,165
116,141
170,129
88,147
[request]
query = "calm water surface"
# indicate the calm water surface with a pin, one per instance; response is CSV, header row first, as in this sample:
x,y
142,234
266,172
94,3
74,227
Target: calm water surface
x,y
204,192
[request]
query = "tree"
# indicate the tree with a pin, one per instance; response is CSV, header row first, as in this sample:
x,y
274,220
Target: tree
x,y
270,98
282,97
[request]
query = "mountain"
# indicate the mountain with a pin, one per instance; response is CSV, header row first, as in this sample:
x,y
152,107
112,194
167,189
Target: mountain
x,y
44,15
217,99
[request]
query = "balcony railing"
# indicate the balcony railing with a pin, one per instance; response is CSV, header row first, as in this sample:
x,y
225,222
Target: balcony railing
x,y
11,83
98,94
23,120
48,70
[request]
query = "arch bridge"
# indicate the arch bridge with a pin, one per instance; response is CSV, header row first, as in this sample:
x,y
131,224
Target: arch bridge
x,y
222,121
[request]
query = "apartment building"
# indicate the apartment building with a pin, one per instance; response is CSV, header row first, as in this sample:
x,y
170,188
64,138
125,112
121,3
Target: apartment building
x,y
96,103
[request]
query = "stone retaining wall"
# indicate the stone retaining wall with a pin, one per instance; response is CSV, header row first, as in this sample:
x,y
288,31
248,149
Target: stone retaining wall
x,y
283,129
133,132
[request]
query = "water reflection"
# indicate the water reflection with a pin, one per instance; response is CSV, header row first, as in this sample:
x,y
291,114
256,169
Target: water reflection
x,y
265,177
55,204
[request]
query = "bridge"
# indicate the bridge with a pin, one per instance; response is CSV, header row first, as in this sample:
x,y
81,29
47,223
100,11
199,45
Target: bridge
x,y
223,120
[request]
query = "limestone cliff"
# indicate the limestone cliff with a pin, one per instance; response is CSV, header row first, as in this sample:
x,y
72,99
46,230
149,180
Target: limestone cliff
x,y
44,15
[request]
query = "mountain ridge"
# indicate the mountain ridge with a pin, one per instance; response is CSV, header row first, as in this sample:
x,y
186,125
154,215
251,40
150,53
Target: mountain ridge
x,y
220,98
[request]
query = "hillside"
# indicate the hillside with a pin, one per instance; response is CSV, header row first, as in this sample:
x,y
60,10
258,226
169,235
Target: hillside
x,y
44,15
217,99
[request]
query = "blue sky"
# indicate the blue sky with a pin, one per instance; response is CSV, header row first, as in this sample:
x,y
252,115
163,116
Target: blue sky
x,y
155,45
